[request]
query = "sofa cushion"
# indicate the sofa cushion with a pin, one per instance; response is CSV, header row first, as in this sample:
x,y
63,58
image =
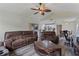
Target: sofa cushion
x,y
18,43
31,39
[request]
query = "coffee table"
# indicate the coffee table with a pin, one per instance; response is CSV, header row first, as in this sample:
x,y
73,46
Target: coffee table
x,y
47,48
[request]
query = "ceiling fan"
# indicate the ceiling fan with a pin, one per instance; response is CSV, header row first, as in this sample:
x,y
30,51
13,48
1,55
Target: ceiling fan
x,y
41,9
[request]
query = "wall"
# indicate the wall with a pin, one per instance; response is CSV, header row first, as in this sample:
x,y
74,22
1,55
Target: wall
x,y
11,22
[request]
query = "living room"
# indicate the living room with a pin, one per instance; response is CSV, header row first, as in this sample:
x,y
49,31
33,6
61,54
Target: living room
x,y
27,31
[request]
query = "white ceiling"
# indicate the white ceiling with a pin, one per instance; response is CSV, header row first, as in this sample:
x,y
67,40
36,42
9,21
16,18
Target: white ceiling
x,y
61,10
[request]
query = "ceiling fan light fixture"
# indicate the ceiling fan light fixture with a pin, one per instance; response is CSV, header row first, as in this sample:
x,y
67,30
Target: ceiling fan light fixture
x,y
42,9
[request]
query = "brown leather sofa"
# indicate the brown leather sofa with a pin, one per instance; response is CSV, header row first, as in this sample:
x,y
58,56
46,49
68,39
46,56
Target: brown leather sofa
x,y
50,35
17,39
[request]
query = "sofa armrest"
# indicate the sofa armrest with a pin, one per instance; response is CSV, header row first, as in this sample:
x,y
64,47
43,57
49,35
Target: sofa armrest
x,y
8,44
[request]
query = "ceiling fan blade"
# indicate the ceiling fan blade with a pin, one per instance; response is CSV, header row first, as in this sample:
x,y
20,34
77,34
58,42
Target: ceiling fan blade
x,y
34,9
35,13
47,10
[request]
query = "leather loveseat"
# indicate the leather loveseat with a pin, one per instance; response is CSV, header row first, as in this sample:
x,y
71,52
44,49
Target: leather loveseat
x,y
17,39
51,36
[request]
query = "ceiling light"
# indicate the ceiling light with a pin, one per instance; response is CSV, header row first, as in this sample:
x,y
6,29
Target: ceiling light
x,y
41,9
